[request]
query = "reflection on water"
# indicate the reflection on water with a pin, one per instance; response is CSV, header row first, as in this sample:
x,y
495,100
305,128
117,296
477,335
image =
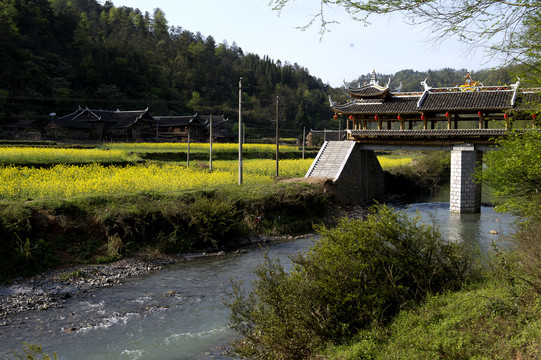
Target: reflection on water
x,y
480,230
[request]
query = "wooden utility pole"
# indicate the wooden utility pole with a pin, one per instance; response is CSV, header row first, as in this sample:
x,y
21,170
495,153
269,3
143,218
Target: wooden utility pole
x,y
210,142
277,140
188,150
303,140
240,131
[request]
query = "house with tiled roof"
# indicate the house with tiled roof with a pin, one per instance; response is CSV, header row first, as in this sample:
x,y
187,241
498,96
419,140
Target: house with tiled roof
x,y
469,105
103,125
177,128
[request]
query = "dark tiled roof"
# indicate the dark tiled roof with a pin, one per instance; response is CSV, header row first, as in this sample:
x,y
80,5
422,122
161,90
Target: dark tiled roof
x,y
73,115
88,115
396,105
445,99
368,92
191,120
528,101
122,119
115,119
467,100
175,120
216,119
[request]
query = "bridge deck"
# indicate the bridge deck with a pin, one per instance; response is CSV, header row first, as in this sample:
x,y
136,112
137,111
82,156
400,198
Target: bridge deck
x,y
428,133
427,137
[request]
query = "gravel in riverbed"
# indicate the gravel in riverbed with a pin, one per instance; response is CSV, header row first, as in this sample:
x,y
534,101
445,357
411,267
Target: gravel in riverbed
x,y
52,289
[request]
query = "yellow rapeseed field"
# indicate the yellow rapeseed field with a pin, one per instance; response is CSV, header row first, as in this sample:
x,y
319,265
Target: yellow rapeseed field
x,y
65,181
43,155
287,168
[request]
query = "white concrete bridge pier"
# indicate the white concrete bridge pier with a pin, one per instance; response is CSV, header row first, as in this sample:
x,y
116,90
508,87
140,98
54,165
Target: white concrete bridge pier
x,y
465,192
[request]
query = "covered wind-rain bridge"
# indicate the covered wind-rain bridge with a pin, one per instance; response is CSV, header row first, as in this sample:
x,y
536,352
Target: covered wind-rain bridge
x,y
463,119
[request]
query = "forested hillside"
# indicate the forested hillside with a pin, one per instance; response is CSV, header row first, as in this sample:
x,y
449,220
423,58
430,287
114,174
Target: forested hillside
x,y
59,54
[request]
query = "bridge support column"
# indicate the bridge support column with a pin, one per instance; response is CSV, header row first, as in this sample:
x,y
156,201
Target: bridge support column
x,y
465,193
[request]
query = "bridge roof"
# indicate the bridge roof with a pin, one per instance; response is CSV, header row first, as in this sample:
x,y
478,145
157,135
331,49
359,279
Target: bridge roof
x,y
468,100
373,99
527,99
369,91
436,100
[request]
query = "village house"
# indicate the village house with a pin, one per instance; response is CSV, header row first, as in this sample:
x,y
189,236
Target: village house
x,y
102,125
197,127
86,124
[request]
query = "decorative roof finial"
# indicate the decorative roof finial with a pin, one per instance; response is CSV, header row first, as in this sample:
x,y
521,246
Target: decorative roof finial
x,y
373,80
425,85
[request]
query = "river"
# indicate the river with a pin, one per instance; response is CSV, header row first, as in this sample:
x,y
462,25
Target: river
x,y
178,312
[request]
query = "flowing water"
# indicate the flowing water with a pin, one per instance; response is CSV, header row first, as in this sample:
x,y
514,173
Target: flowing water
x,y
174,313
178,312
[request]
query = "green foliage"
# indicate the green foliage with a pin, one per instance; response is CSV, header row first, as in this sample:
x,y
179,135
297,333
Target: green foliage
x,y
36,236
484,321
54,55
22,252
214,222
115,247
360,273
514,172
422,174
32,352
75,274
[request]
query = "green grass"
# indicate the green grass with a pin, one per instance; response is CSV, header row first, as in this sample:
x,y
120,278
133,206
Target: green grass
x,y
488,320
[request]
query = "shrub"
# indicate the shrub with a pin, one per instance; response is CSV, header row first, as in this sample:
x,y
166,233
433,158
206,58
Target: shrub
x,y
359,273
514,172
213,221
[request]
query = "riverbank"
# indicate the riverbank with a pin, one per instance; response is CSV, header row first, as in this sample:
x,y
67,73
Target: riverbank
x,y
53,288
40,235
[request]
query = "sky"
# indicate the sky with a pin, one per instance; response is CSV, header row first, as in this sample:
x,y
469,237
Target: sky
x,y
348,51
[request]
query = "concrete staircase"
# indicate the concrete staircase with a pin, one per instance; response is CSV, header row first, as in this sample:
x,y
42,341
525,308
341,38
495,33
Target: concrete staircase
x,y
331,159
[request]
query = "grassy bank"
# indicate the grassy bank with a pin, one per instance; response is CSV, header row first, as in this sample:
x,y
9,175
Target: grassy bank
x,y
495,317
483,321
40,234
